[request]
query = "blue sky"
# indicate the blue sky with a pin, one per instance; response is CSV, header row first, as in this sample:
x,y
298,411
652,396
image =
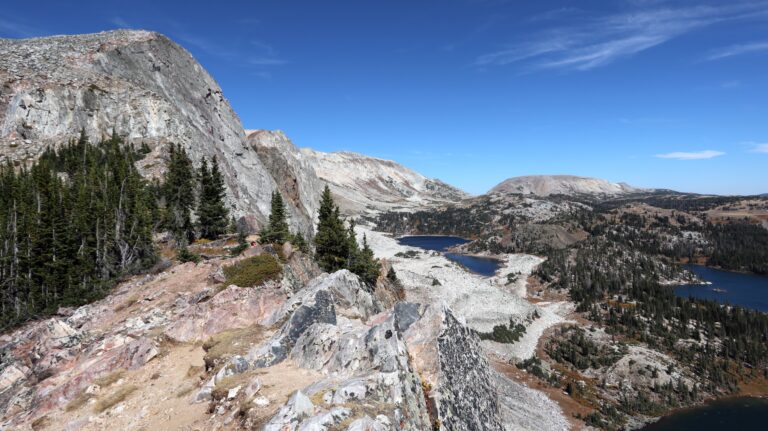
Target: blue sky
x,y
655,93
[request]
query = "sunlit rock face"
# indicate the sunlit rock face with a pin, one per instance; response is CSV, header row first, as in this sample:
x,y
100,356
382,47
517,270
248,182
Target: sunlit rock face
x,y
364,184
545,185
142,86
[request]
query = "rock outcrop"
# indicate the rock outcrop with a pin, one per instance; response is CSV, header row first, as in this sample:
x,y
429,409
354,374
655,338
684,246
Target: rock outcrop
x,y
293,172
464,392
545,185
144,87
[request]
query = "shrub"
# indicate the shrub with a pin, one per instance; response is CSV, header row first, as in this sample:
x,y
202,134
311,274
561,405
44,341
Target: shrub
x,y
504,334
253,271
184,255
242,244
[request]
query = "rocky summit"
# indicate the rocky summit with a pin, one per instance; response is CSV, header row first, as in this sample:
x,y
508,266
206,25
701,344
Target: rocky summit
x,y
545,185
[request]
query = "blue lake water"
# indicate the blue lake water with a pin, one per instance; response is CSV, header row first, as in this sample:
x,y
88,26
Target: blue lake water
x,y
481,265
744,413
746,290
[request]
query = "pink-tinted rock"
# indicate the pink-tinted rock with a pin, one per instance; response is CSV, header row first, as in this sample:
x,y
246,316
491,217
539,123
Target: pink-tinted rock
x,y
234,307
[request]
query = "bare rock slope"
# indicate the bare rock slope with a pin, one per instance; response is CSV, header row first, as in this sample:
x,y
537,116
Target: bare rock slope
x,y
364,183
143,86
310,351
545,185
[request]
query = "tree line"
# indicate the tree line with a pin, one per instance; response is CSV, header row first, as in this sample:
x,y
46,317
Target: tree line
x,y
620,288
82,216
71,223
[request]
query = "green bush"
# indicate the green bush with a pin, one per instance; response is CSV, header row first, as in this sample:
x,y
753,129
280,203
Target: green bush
x,y
253,271
184,256
504,334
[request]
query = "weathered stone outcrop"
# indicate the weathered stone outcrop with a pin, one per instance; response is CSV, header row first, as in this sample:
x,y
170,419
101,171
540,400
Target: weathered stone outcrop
x,y
293,173
143,86
334,326
464,392
234,307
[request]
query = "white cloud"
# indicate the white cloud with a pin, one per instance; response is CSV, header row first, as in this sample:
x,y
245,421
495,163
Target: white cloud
x,y
595,42
695,155
758,147
733,50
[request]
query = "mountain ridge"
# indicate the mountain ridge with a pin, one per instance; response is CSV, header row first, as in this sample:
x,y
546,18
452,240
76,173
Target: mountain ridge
x,y
370,183
545,185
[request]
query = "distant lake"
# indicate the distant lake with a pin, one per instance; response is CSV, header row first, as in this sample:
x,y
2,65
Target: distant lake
x,y
746,290
481,265
744,413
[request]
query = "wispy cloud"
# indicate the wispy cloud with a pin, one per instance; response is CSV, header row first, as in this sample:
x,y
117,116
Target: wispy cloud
x,y
741,49
599,41
257,53
695,155
758,147
263,61
120,22
14,28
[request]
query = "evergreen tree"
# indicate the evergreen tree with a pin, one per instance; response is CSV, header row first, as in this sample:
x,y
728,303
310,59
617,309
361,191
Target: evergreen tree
x,y
336,247
331,239
353,250
276,231
232,226
298,240
70,224
212,212
366,265
179,194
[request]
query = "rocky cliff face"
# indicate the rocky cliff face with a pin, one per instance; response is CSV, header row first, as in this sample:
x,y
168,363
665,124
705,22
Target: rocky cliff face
x,y
365,183
292,171
143,86
545,185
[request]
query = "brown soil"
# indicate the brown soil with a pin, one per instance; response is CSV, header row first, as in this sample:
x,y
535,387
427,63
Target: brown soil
x,y
569,405
155,403
537,292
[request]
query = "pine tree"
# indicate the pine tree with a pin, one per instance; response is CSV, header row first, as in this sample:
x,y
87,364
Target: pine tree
x,y
353,250
366,265
179,194
331,240
212,212
276,231
72,223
